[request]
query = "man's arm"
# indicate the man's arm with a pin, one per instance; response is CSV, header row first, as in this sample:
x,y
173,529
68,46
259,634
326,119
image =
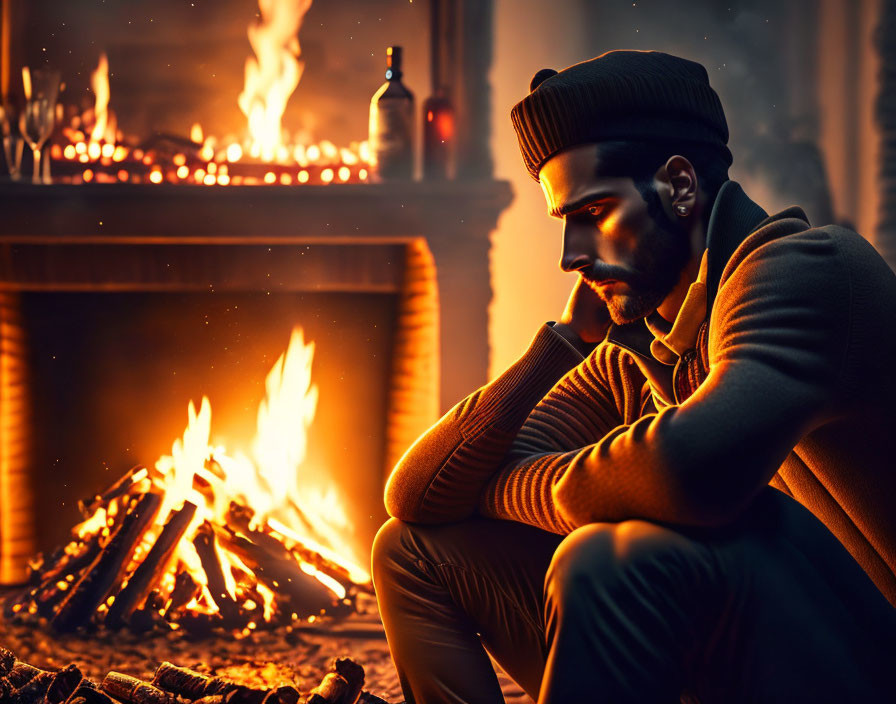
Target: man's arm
x,y
605,391
777,343
441,476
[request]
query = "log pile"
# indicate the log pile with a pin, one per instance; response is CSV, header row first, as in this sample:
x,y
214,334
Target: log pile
x,y
22,683
123,568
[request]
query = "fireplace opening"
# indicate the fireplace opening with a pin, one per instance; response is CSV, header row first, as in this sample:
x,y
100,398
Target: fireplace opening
x,y
127,364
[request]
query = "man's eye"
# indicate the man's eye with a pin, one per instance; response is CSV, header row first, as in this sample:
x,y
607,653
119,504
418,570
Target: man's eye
x,y
594,209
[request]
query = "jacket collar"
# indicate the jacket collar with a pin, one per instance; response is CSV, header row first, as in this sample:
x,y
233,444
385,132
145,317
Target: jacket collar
x,y
733,217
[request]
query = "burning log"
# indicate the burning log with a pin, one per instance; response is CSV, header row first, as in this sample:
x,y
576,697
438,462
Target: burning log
x,y
119,488
105,571
208,556
200,624
153,566
71,563
281,573
134,691
185,588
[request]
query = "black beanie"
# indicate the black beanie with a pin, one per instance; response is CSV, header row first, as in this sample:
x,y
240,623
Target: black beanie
x,y
640,95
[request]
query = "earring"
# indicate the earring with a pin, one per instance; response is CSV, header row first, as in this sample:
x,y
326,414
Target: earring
x,y
682,209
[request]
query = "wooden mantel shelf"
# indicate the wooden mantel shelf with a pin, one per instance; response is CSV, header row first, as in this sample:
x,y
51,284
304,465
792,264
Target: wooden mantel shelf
x,y
172,213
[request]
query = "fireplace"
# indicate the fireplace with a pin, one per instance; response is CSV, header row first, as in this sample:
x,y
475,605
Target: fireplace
x,y
170,209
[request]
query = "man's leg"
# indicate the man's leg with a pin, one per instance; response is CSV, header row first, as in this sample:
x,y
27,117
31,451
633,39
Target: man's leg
x,y
445,590
770,609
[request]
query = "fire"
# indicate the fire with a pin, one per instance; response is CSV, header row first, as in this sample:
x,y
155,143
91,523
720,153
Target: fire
x,y
99,81
273,73
275,482
265,155
236,537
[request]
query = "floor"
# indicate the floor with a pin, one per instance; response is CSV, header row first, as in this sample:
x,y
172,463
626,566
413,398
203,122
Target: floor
x,y
264,658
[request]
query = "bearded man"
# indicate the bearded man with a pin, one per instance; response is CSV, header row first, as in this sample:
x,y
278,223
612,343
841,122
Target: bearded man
x,y
685,488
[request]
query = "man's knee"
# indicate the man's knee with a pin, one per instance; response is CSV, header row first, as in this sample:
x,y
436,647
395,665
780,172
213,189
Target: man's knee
x,y
597,556
389,546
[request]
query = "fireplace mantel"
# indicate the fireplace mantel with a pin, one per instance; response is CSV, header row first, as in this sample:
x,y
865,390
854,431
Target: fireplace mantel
x,y
119,236
149,214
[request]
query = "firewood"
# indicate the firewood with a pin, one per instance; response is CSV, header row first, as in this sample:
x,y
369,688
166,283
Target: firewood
x,y
185,588
71,563
240,694
199,624
188,683
104,573
333,689
353,673
238,516
152,568
87,692
208,556
284,694
64,683
368,698
7,660
121,486
17,677
342,685
32,691
134,691
281,573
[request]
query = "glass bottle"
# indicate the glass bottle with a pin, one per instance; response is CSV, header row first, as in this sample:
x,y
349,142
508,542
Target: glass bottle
x,y
392,124
438,137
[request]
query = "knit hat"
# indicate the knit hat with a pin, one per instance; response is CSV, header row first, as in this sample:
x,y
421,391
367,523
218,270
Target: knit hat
x,y
640,95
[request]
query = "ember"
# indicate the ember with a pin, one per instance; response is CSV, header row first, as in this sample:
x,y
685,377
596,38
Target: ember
x,y
204,540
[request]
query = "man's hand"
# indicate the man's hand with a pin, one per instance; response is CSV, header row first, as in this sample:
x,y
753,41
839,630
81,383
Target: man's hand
x,y
586,314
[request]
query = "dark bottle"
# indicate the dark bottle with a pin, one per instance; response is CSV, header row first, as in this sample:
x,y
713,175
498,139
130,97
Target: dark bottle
x,y
438,138
392,124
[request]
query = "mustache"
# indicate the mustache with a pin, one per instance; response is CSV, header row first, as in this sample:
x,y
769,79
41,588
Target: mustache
x,y
601,271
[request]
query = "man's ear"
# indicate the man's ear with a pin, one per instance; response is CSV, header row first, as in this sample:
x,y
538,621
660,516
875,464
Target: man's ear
x,y
680,184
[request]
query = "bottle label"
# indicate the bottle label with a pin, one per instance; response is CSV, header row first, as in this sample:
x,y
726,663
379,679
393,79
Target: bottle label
x,y
391,137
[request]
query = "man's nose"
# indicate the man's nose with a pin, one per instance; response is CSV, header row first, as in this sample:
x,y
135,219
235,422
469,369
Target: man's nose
x,y
578,247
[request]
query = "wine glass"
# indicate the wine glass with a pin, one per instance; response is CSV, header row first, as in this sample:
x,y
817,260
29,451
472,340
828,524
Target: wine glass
x,y
12,145
37,119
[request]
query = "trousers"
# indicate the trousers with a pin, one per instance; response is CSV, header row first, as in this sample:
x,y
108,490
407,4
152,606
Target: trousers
x,y
770,608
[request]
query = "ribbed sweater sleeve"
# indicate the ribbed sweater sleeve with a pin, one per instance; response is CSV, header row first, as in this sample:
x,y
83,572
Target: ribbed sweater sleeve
x,y
441,477
778,339
605,391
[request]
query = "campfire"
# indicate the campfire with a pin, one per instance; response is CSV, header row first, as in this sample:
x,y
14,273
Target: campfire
x,y
91,148
208,540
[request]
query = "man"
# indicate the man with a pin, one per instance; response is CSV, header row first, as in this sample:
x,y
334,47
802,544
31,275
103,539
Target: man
x,y
707,351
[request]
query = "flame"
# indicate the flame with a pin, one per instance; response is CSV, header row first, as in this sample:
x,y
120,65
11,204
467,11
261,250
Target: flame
x,y
266,155
273,73
286,496
99,82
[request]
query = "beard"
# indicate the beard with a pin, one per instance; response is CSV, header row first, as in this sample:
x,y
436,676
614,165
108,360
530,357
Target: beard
x,y
660,256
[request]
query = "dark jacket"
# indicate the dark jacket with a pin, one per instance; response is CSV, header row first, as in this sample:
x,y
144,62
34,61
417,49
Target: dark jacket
x,y
791,382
